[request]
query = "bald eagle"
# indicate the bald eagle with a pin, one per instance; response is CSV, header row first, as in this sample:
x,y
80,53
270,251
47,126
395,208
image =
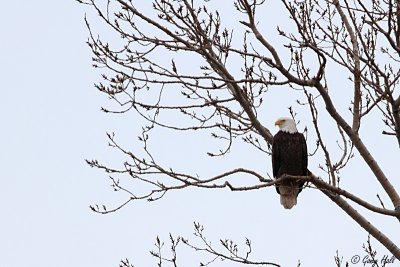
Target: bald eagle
x,y
289,156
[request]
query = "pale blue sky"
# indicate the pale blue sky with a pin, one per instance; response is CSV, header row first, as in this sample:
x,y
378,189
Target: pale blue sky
x,y
50,121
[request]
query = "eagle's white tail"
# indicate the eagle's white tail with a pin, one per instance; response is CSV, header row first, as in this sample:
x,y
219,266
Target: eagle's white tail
x,y
288,196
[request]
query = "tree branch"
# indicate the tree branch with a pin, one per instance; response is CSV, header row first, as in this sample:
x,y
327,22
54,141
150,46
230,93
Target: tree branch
x,y
357,68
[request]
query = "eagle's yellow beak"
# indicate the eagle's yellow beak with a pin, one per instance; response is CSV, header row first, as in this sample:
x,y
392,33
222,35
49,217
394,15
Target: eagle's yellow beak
x,y
278,122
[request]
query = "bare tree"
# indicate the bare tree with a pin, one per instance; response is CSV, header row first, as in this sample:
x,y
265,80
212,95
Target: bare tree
x,y
360,39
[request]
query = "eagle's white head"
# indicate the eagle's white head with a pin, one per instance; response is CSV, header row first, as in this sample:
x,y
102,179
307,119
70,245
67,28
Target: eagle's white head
x,y
286,124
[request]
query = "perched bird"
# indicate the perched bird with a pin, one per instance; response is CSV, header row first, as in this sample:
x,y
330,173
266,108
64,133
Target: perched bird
x,y
289,156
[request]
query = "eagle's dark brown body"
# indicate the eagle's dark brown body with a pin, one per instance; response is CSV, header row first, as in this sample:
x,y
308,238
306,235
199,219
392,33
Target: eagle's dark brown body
x,y
289,156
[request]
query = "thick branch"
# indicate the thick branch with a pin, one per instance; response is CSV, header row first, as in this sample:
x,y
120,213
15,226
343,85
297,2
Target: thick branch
x,y
362,149
356,71
364,223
